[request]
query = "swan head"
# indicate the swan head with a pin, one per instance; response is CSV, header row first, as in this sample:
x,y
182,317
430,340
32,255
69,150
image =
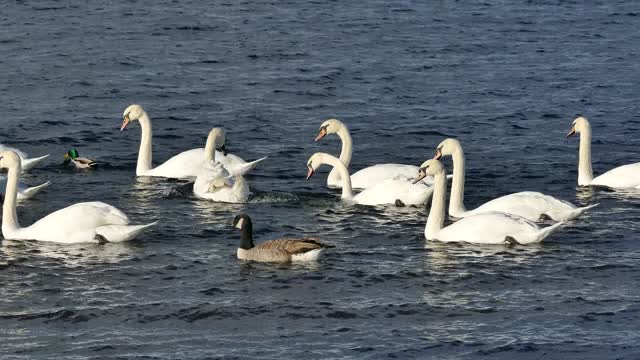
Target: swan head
x,y
314,162
580,124
330,126
219,137
447,147
131,113
9,159
430,167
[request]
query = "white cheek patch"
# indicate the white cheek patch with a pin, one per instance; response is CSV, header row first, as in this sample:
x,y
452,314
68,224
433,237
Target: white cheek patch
x,y
240,223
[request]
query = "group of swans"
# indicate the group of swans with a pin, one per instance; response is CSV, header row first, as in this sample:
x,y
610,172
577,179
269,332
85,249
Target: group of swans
x,y
219,176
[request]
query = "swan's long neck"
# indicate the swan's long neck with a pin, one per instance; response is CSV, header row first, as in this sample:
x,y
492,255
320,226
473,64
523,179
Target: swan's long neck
x,y
144,154
435,221
585,172
347,145
9,214
345,179
210,148
456,204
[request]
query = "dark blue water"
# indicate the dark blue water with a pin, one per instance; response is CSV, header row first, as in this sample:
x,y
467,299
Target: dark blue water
x,y
507,78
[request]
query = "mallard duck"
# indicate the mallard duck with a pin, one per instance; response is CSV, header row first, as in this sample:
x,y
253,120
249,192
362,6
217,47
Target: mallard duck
x,y
280,250
81,163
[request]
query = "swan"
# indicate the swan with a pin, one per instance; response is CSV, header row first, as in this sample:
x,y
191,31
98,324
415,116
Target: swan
x,y
625,176
369,176
391,191
83,222
24,191
280,250
484,228
214,182
27,163
187,164
530,205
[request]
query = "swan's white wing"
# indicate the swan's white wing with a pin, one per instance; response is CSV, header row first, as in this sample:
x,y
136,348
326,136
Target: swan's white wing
x,y
388,191
490,228
21,154
528,204
376,174
626,176
75,223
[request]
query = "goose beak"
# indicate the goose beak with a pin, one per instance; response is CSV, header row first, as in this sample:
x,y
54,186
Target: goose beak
x,y
309,172
438,154
572,132
321,134
421,175
125,122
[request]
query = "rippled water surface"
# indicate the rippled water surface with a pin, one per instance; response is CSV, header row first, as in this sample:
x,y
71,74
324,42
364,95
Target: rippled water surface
x,y
505,77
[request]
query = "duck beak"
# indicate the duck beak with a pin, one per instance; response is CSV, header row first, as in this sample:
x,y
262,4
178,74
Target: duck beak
x,y
421,175
572,132
438,154
309,172
321,134
125,122
66,156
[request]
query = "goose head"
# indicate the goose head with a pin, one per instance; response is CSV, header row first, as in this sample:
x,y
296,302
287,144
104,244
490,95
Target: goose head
x,y
447,147
330,126
9,159
314,162
243,223
580,124
219,137
431,167
131,113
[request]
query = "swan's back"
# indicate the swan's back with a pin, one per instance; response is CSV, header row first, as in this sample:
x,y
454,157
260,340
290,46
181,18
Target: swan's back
x,y
528,204
490,228
626,176
390,190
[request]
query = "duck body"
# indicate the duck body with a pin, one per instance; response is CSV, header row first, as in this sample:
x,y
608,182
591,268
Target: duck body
x,y
78,162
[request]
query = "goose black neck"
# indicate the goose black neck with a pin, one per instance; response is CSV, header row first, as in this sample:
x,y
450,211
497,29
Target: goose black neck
x,y
247,237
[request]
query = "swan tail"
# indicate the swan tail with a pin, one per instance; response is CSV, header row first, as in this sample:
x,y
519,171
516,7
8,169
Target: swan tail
x,y
29,163
120,233
578,211
32,191
545,232
242,169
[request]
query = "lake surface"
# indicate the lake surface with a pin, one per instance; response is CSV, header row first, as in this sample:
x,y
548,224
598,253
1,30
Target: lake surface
x,y
506,78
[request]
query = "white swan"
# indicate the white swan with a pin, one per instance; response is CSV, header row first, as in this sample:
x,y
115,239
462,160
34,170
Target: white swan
x,y
625,176
390,191
528,204
82,222
27,163
485,228
214,182
367,177
24,191
187,164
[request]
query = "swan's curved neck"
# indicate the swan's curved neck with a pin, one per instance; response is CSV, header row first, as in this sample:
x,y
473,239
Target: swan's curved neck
x,y
585,172
341,168
144,154
347,145
456,204
210,148
9,214
435,221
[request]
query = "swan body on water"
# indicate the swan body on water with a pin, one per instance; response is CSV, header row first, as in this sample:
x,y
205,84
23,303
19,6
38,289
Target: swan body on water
x,y
83,222
528,204
625,176
483,228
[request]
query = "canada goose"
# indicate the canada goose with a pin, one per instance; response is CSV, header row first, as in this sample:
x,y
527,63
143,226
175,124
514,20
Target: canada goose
x,y
280,250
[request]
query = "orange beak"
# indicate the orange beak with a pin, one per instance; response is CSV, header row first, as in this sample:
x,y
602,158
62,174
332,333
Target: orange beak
x,y
125,122
421,175
321,134
309,172
572,132
438,154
